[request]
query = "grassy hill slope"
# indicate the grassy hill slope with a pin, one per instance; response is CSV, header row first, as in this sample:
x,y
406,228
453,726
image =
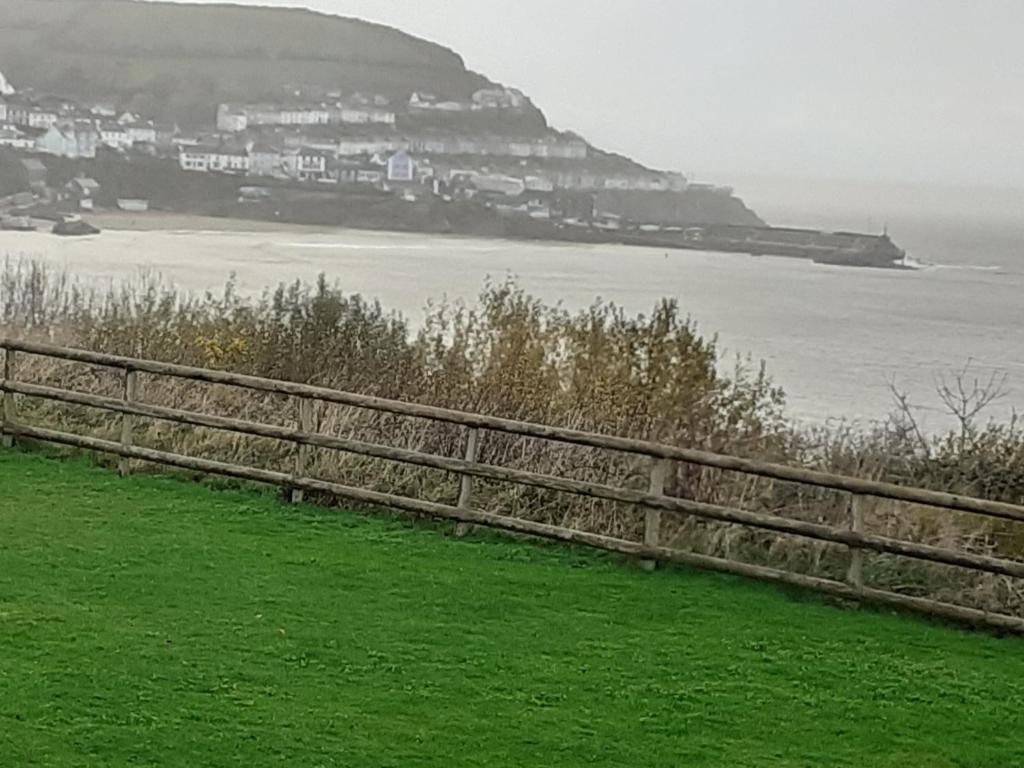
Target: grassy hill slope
x,y
149,621
177,61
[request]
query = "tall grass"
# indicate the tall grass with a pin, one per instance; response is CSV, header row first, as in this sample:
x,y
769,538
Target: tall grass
x,y
651,376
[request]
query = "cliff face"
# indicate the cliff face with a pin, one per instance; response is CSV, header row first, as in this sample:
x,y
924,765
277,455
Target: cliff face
x,y
694,206
175,61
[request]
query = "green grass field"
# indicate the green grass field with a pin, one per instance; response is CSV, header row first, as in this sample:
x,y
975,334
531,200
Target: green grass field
x,y
155,622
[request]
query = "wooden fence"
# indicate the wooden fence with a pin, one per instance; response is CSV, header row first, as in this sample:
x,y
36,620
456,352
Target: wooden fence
x,y
653,502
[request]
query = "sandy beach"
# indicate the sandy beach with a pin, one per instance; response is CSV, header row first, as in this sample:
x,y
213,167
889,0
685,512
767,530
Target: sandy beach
x,y
160,221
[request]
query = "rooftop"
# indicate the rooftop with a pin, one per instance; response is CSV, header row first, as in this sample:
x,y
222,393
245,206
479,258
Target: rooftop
x,y
86,183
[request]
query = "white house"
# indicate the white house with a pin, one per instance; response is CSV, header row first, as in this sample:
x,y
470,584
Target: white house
x,y
401,167
307,164
429,102
499,98
74,140
15,139
37,117
536,205
141,133
644,182
17,112
104,110
362,115
124,136
369,175
214,159
115,136
381,116
40,118
235,118
304,116
3,111
434,143
293,115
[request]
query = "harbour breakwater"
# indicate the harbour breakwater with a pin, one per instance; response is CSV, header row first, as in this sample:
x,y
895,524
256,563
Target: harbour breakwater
x,y
851,249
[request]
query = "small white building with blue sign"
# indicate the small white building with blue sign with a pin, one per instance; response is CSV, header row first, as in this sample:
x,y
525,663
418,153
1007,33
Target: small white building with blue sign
x,y
401,167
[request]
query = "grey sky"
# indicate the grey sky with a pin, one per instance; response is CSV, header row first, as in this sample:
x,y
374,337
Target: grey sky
x,y
909,90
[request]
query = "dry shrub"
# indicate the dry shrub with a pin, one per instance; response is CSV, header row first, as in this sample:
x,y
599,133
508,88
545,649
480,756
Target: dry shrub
x,y
649,376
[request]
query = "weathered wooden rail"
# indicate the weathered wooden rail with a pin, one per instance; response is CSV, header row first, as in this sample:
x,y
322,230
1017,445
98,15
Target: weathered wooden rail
x,y
653,502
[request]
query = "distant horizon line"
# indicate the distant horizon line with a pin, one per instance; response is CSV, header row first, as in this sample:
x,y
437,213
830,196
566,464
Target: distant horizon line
x,y
856,180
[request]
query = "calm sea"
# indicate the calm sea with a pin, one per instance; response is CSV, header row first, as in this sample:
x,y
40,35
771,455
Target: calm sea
x,y
836,339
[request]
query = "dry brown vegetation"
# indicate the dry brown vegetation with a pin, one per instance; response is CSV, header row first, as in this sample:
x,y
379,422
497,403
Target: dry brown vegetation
x,y
652,376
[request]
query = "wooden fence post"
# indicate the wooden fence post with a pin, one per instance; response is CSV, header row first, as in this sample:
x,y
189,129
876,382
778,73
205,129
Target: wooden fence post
x,y
302,451
8,406
466,482
652,517
129,394
855,574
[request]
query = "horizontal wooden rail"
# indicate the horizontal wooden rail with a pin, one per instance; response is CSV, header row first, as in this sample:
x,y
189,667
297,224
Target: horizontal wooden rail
x,y
517,525
652,501
817,478
536,480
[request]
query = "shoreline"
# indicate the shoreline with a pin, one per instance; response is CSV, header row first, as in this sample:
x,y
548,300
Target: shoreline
x,y
150,221
166,221
170,221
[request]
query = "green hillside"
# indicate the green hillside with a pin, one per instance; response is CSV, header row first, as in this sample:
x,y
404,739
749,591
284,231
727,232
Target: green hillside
x,y
177,61
153,622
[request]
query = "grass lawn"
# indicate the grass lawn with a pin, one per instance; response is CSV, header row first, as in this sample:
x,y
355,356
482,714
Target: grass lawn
x,y
155,622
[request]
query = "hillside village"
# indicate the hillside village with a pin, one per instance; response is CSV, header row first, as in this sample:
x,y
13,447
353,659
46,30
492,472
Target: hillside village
x,y
487,148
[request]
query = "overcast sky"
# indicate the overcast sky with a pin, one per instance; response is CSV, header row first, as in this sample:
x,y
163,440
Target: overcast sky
x,y
903,90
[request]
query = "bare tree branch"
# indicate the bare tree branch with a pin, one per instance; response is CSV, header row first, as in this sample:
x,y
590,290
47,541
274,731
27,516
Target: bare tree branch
x,y
906,420
967,396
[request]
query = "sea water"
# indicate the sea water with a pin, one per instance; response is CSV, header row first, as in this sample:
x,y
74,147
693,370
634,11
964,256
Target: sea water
x,y
838,340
